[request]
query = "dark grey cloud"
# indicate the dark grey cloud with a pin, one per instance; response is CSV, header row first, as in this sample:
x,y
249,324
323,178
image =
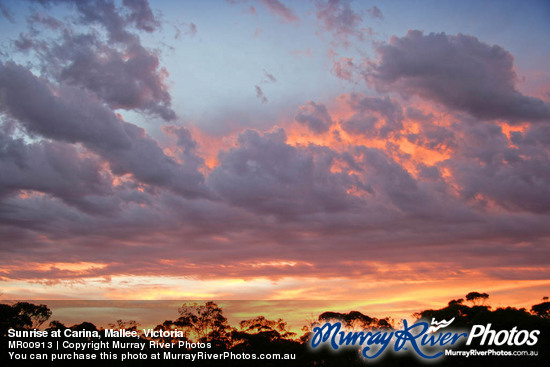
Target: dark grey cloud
x,y
45,20
78,183
186,146
373,116
135,13
433,137
141,15
315,116
73,115
265,174
26,43
395,186
146,161
489,171
459,71
119,70
129,80
278,199
417,115
56,169
276,196
66,113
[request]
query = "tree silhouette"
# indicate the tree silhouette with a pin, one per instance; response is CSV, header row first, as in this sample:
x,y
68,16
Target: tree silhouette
x,y
169,325
261,324
56,325
357,320
477,298
542,310
456,301
130,325
206,322
22,315
38,314
500,319
260,330
464,316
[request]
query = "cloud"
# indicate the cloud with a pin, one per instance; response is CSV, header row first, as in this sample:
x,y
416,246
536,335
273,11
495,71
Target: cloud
x,y
192,30
260,94
186,146
270,78
73,115
375,13
459,72
69,114
46,20
130,80
315,116
6,12
338,18
57,169
281,10
490,172
373,116
344,68
118,70
396,181
395,186
266,175
433,137
141,15
136,13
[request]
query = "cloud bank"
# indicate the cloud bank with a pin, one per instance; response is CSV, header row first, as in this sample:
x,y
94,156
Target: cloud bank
x,y
434,164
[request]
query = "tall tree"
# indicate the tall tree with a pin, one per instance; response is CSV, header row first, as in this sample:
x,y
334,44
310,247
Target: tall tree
x,y
206,321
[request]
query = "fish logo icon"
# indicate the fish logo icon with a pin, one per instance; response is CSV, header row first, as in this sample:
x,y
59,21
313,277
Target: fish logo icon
x,y
439,325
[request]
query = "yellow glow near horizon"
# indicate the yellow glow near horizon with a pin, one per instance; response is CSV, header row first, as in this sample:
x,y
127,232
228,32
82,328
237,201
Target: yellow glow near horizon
x,y
295,300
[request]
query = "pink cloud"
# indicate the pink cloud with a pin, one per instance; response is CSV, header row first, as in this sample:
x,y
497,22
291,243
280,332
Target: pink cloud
x,y
278,8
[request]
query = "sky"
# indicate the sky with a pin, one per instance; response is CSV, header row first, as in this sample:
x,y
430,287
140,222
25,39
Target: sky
x,y
389,153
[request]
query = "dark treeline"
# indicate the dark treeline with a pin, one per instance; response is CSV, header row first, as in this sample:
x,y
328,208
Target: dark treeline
x,y
205,323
